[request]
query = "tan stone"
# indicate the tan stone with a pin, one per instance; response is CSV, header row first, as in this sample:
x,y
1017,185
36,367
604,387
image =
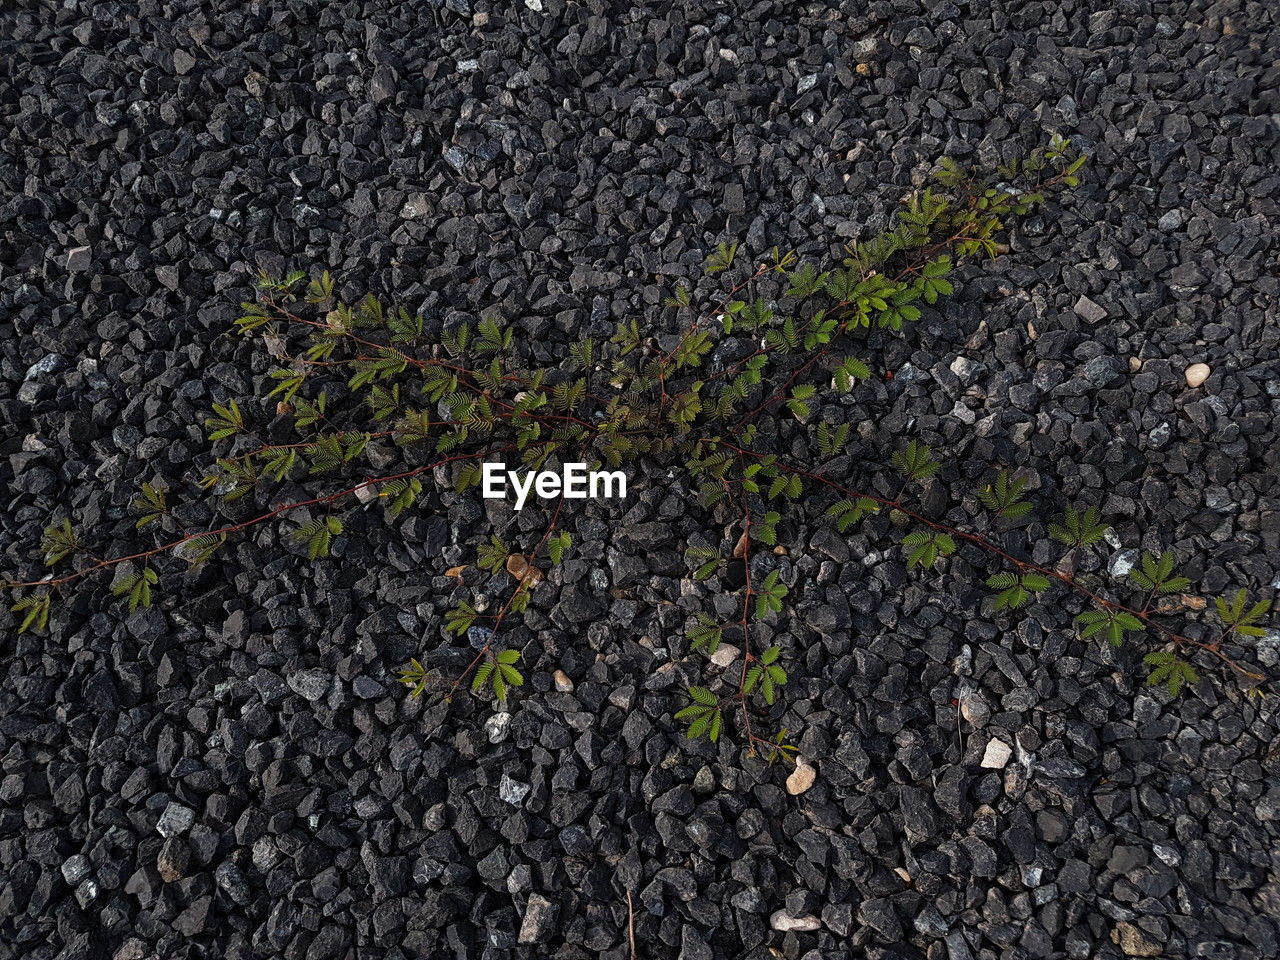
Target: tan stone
x,y
802,778
1135,941
563,682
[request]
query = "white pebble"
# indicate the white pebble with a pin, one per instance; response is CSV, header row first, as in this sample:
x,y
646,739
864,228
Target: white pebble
x,y
784,922
997,755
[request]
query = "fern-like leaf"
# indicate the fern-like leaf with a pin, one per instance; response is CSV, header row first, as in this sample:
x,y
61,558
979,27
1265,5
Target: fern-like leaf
x,y
58,542
1079,528
915,462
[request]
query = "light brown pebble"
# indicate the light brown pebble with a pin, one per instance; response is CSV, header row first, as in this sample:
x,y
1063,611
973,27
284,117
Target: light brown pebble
x,y
562,681
1197,374
801,778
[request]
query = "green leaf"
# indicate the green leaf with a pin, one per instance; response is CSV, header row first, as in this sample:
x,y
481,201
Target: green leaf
x,y
499,674
769,595
915,462
400,494
558,545
1241,618
35,609
58,542
780,749
461,618
849,512
493,555
924,547
1004,497
1015,590
703,695
278,462
317,534
1169,671
1110,624
384,402
721,259
1156,573
414,676
706,635
766,528
832,438
797,402
805,281
703,715
307,413
1079,528
226,420
848,372
136,587
152,502
582,353
707,561
199,549
289,383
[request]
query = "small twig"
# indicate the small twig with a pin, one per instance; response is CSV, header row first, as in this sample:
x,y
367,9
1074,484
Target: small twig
x,y
631,925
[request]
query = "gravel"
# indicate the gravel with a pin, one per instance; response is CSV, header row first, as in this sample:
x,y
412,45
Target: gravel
x,y
236,773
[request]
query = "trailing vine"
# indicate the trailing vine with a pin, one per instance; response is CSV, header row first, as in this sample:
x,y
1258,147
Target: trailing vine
x,y
355,375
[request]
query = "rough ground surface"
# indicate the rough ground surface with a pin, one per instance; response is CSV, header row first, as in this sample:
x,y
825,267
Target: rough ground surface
x,y
235,773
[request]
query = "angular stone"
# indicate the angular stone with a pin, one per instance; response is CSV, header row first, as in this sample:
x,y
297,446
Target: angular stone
x,y
512,791
1086,309
173,860
76,868
176,819
1135,941
997,755
311,685
79,259
539,919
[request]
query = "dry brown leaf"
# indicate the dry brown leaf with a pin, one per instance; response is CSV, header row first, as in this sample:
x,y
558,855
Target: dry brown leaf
x,y
519,567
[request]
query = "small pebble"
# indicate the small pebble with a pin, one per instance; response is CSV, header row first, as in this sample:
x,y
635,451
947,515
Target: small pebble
x,y
176,819
784,922
974,708
997,755
801,778
725,654
1197,374
79,258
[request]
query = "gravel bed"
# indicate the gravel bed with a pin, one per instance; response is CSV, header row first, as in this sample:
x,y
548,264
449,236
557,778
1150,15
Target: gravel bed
x,y
235,773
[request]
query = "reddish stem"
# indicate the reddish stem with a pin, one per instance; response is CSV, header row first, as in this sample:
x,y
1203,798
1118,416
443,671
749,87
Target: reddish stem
x,y
236,527
984,543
